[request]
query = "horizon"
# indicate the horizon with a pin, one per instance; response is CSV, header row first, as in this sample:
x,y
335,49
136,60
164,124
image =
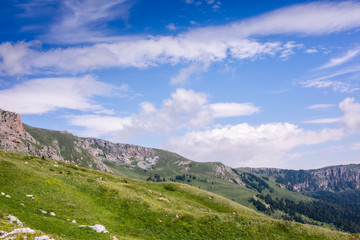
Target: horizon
x,y
257,84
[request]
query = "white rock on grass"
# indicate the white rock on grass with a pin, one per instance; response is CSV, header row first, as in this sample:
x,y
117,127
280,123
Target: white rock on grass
x,y
16,231
43,238
73,221
2,193
8,196
30,196
14,219
43,211
52,214
164,199
97,227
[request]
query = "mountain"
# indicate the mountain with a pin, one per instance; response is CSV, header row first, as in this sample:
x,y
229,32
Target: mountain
x,y
334,178
314,196
335,191
64,201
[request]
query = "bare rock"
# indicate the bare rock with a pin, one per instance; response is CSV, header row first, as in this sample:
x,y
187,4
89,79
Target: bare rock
x,y
14,219
44,237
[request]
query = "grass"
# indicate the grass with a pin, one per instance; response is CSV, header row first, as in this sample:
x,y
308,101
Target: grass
x,y
129,209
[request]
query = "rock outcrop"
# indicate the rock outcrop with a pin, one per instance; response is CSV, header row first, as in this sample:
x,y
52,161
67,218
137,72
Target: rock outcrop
x,y
333,178
88,152
13,137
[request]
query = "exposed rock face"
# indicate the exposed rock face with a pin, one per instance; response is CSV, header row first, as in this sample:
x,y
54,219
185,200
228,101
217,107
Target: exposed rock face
x,y
124,154
13,137
329,178
333,178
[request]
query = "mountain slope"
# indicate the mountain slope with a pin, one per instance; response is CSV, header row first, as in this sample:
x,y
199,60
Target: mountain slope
x,y
129,209
258,189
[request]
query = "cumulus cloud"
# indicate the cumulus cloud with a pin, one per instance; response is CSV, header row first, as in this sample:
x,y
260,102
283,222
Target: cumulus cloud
x,y
42,95
351,117
246,145
184,110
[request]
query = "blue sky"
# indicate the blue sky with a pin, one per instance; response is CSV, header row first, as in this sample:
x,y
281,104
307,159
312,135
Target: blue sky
x,y
259,84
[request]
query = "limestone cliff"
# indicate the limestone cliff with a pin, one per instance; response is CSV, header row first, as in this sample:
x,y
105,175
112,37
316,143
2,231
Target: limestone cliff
x,y
64,146
13,137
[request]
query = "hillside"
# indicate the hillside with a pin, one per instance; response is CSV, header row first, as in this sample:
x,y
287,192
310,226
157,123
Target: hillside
x,y
132,161
275,192
128,209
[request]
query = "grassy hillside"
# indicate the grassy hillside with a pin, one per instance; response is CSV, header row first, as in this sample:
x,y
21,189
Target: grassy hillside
x,y
129,209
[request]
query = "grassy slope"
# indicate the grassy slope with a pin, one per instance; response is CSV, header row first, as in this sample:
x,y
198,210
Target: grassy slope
x,y
127,208
65,142
167,168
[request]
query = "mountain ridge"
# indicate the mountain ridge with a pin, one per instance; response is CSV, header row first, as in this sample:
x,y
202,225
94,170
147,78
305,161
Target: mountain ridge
x,y
261,189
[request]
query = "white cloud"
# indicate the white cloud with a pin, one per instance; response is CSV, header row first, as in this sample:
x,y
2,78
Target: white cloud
x,y
187,72
184,110
323,121
85,21
233,109
320,106
171,26
42,95
355,146
311,50
136,53
311,19
246,145
337,61
200,45
337,86
97,126
351,117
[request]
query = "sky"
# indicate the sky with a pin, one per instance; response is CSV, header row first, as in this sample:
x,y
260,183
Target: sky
x,y
248,84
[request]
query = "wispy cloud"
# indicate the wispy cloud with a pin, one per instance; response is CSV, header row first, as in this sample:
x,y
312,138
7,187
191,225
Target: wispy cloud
x,y
311,50
81,22
340,60
327,81
171,26
78,21
42,95
321,106
323,121
233,109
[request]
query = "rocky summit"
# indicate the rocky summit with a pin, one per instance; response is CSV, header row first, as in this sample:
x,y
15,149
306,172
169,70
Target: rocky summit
x,y
63,146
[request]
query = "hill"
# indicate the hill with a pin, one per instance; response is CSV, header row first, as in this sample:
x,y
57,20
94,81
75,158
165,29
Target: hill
x,y
281,194
128,209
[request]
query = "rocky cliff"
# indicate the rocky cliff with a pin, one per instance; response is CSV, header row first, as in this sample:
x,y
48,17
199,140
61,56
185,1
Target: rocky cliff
x,y
333,178
64,146
13,137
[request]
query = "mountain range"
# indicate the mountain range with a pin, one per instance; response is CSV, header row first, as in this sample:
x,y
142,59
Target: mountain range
x,y
325,197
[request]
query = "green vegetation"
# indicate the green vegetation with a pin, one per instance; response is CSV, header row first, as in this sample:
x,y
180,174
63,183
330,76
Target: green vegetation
x,y
129,209
63,143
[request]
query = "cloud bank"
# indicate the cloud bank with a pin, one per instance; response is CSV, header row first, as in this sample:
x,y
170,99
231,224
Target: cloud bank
x,y
42,95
